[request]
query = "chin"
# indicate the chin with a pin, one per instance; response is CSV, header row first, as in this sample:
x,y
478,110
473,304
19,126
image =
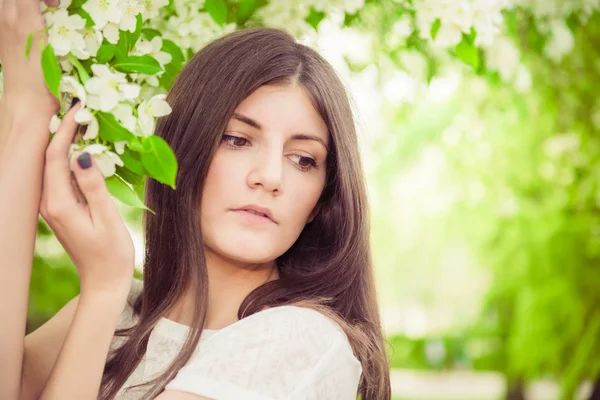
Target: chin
x,y
246,249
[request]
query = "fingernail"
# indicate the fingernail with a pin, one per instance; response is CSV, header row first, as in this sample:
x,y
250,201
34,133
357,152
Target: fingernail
x,y
84,160
74,102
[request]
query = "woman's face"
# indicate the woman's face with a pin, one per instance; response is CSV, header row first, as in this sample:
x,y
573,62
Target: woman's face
x,y
272,155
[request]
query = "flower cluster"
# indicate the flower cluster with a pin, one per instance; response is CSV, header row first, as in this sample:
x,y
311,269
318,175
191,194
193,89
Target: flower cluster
x,y
455,17
189,26
113,70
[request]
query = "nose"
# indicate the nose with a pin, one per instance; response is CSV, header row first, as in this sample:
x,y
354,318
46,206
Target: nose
x,y
267,170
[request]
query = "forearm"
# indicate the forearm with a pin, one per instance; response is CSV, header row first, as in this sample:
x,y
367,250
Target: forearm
x,y
78,371
23,140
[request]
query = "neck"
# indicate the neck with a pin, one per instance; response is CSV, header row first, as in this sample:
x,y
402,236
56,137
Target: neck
x,y
229,283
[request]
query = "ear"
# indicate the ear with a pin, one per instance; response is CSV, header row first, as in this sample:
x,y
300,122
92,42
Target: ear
x,y
314,213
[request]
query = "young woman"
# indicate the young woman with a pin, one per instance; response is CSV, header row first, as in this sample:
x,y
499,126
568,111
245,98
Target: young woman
x,y
257,275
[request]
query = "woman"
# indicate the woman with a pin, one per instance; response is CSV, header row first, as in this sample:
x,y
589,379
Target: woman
x,y
257,276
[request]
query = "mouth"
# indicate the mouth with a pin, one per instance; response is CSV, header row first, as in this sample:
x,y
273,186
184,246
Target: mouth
x,y
253,215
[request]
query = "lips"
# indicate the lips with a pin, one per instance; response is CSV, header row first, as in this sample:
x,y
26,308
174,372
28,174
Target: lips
x,y
257,210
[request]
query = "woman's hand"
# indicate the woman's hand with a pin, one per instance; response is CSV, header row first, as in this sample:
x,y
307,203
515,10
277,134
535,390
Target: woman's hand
x,y
23,77
93,234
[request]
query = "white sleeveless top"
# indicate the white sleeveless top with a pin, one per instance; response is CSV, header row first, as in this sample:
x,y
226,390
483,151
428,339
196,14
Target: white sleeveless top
x,y
284,352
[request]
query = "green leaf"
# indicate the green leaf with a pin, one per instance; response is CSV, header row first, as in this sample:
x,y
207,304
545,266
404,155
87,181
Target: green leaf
x,y
111,129
122,192
145,64
130,177
471,36
246,9
28,45
51,70
75,4
174,50
83,74
435,27
105,53
149,33
217,10
131,38
315,17
159,160
132,162
136,144
468,53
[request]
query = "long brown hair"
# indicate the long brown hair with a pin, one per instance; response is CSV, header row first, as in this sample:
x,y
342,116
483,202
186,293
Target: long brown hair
x,y
328,268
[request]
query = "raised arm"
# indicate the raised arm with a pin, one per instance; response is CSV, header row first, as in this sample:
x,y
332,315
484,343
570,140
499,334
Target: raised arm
x,y
25,111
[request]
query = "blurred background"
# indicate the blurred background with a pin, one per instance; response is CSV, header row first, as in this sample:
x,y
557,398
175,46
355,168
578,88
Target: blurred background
x,y
478,123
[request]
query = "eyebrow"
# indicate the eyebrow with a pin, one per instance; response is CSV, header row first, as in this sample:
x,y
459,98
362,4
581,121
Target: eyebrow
x,y
295,136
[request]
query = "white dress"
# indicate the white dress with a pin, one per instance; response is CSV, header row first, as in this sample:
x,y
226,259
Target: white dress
x,y
285,352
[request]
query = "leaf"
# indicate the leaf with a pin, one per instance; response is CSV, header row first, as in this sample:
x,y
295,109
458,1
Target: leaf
x,y
111,129
159,160
315,17
136,144
51,70
217,10
105,53
131,38
75,4
471,36
174,50
122,192
28,45
83,73
468,53
246,9
129,176
145,64
132,162
435,27
149,33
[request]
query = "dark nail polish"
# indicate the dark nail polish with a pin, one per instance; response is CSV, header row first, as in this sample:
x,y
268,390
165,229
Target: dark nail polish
x,y
74,102
84,160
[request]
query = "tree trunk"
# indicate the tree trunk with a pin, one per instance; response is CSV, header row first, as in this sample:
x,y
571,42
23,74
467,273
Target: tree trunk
x,y
595,391
516,390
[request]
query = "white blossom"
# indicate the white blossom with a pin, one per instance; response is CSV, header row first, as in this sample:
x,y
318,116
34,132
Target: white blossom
x,y
66,33
124,114
561,41
54,123
85,117
153,48
148,110
104,158
152,8
106,88
130,9
504,57
103,11
93,40
111,33
459,16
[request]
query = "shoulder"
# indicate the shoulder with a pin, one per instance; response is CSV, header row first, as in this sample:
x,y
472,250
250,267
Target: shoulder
x,y
289,322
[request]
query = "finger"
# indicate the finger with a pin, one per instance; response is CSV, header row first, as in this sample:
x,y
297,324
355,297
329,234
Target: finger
x,y
80,197
78,194
90,180
57,174
51,3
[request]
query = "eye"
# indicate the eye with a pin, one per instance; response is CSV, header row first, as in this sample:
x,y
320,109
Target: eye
x,y
234,141
305,163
